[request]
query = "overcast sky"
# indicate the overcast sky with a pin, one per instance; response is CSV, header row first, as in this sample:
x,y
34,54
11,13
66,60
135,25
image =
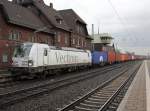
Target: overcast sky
x,y
131,32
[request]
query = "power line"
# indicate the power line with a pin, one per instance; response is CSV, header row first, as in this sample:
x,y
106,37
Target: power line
x,y
120,18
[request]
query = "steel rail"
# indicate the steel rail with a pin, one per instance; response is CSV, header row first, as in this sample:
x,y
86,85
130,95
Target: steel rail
x,y
110,100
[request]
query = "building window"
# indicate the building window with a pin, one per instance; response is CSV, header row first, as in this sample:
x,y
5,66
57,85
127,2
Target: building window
x,y
58,37
85,44
49,41
78,42
82,43
4,58
14,35
32,38
73,41
78,28
46,40
11,36
66,40
59,21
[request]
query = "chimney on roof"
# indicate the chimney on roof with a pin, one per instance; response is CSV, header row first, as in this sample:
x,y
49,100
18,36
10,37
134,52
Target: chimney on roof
x,y
51,5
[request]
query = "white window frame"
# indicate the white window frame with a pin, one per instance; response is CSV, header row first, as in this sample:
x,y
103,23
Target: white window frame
x,y
5,58
58,37
78,42
85,44
73,41
82,43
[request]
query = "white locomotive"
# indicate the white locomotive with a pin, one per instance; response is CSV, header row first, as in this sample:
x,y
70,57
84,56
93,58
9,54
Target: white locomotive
x,y
35,57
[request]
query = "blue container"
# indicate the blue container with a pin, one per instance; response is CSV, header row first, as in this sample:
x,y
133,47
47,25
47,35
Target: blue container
x,y
99,57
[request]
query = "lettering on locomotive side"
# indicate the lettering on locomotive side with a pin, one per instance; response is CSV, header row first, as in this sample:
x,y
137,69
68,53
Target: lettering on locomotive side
x,y
61,58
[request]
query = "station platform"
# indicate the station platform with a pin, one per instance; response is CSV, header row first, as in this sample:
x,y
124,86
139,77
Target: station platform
x,y
137,97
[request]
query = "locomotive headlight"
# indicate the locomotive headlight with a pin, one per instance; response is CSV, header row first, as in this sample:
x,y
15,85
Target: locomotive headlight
x,y
30,62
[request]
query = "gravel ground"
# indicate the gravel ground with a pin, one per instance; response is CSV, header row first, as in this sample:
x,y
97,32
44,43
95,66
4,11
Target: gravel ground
x,y
57,99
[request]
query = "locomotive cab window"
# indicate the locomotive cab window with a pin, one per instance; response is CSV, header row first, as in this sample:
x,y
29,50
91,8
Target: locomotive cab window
x,y
45,52
22,50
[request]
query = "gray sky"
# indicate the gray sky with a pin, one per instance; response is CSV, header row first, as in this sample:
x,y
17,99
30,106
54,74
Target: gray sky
x,y
131,33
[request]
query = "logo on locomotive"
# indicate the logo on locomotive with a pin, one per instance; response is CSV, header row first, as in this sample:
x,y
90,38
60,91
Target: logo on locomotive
x,y
101,59
61,58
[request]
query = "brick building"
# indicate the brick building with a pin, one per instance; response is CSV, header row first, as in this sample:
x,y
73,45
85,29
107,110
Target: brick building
x,y
34,21
79,35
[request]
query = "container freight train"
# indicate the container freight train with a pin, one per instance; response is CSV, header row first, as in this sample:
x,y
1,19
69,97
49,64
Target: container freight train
x,y
32,59
110,57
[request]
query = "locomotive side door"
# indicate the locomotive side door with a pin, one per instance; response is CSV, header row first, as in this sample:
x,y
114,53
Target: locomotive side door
x,y
45,59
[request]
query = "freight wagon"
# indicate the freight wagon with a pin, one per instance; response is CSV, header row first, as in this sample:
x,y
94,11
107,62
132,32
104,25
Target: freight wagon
x,y
111,57
118,57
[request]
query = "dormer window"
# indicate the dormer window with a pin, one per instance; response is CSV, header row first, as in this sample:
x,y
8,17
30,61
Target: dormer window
x,y
59,21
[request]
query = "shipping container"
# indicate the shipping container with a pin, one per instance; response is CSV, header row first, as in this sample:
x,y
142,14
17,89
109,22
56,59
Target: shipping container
x,y
127,57
118,57
111,57
124,57
99,57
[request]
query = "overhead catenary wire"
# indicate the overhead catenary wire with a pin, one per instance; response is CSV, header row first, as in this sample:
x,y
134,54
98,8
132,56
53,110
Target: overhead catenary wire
x,y
121,20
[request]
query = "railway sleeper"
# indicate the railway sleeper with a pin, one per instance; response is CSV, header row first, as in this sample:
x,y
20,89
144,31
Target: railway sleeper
x,y
101,97
107,90
78,108
103,100
89,106
92,102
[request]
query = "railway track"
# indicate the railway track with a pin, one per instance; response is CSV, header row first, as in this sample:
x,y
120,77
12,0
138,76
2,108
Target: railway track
x,y
10,98
106,97
8,81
